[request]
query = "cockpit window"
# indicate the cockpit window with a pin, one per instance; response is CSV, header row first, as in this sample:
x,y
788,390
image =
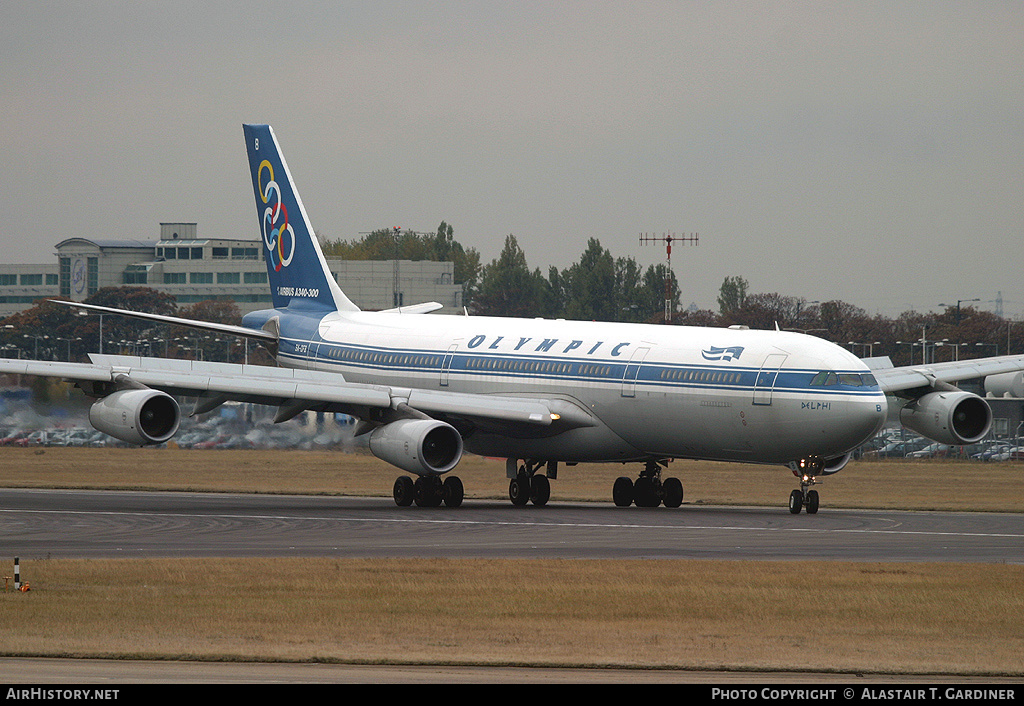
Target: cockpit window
x,y
827,378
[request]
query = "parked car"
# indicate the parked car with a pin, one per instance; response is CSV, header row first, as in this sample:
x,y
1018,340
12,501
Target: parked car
x,y
211,443
1009,453
40,437
991,451
79,436
935,450
900,449
17,438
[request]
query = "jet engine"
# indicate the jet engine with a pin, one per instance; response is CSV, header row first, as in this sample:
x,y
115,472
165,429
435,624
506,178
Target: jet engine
x,y
953,417
834,465
138,416
420,446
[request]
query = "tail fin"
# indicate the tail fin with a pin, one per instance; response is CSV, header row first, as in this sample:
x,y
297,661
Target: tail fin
x,y
296,266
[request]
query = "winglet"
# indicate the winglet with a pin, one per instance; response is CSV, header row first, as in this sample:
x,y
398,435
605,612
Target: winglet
x,y
296,267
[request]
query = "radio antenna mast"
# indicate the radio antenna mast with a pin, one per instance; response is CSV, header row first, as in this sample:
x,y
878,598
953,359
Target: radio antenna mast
x,y
668,239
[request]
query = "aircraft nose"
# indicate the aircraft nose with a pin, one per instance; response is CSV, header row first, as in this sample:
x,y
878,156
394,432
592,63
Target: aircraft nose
x,y
861,421
868,417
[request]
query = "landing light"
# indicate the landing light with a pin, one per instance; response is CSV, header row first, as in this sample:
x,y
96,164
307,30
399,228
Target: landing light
x,y
555,417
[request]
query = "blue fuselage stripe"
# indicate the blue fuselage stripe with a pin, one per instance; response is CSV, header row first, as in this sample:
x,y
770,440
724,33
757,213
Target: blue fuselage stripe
x,y
469,365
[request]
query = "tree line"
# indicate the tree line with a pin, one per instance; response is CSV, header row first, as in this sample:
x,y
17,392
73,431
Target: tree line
x,y
956,333
597,287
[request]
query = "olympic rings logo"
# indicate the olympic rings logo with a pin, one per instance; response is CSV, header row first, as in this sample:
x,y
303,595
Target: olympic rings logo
x,y
78,276
276,228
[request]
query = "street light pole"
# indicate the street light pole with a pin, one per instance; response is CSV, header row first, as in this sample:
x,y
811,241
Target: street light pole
x,y
32,335
958,302
69,340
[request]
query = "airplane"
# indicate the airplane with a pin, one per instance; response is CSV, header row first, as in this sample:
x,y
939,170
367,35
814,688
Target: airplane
x,y
539,393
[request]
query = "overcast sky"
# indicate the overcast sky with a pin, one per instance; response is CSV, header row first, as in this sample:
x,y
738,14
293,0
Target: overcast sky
x,y
866,151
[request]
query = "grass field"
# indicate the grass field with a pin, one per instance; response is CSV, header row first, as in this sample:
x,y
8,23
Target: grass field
x,y
846,617
838,616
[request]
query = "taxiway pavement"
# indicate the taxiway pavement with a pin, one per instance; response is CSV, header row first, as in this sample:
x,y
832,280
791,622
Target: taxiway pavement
x,y
79,523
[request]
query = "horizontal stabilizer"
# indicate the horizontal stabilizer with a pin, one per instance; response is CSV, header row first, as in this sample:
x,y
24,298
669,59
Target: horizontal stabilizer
x,y
424,308
242,331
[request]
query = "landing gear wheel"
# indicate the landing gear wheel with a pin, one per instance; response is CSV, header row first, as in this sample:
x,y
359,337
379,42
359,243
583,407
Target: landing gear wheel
x,y
807,470
404,491
453,491
648,490
812,502
519,490
645,494
673,492
526,485
622,492
429,491
540,490
796,502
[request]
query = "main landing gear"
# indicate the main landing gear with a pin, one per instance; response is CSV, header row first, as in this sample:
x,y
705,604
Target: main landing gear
x,y
649,490
806,471
525,485
428,491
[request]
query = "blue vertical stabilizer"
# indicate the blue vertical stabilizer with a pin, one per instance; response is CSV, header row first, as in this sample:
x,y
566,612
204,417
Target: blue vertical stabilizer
x,y
296,267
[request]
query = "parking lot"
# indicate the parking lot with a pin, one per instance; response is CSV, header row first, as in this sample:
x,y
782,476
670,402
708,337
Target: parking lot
x,y
902,445
233,427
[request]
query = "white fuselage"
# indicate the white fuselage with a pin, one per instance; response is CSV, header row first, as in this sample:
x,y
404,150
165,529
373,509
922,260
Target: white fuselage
x,y
657,391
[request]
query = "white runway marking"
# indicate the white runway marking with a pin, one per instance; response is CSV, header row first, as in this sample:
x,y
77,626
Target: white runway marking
x,y
519,523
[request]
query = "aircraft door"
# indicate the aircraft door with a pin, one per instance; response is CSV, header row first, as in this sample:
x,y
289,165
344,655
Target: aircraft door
x,y
765,383
632,371
446,363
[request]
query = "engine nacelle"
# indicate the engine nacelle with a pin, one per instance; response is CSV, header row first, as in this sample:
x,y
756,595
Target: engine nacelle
x,y
420,446
834,465
138,416
955,417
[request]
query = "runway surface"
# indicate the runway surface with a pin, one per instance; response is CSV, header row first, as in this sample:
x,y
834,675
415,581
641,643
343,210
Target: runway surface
x,y
67,523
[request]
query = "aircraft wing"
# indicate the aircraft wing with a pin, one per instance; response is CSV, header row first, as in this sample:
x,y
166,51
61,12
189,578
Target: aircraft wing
x,y
293,390
907,378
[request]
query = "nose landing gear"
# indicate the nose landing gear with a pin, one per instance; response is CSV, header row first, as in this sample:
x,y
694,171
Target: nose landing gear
x,y
806,470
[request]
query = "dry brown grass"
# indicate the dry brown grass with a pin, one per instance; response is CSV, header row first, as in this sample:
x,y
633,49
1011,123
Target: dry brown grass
x,y
917,485
963,619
